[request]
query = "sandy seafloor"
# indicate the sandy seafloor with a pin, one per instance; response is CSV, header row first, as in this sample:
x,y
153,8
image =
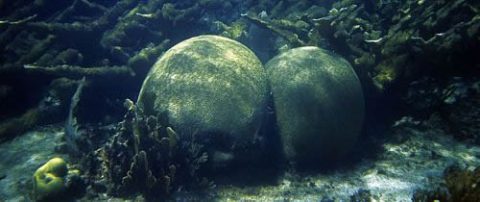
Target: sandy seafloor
x,y
416,161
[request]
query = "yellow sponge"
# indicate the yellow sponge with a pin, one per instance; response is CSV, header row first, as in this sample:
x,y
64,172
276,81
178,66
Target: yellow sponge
x,y
49,180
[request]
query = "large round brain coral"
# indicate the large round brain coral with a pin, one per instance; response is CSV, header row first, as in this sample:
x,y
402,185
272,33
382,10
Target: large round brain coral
x,y
318,101
207,85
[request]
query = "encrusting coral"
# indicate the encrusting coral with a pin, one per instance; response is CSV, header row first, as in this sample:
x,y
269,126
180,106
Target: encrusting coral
x,y
49,179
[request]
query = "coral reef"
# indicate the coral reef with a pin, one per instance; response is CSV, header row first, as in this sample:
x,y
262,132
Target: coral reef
x,y
51,109
121,40
459,185
18,125
382,44
234,31
461,109
418,56
455,101
70,44
149,158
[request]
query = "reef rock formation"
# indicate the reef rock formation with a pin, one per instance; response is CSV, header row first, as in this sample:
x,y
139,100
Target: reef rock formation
x,y
319,103
459,185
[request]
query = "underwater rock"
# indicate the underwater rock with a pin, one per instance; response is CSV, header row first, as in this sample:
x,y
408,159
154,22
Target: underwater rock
x,y
207,85
460,185
319,103
362,195
461,99
17,125
456,101
463,118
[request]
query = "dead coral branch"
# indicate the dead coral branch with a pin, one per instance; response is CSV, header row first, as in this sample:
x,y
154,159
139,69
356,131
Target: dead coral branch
x,y
3,22
79,72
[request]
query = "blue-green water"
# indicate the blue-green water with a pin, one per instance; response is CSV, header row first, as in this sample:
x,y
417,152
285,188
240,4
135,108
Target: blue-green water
x,y
267,100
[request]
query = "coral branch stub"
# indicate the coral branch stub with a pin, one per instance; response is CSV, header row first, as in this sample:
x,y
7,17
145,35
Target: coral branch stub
x,y
207,85
319,103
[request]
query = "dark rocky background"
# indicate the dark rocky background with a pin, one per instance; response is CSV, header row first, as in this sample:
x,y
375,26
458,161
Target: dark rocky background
x,y
395,47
